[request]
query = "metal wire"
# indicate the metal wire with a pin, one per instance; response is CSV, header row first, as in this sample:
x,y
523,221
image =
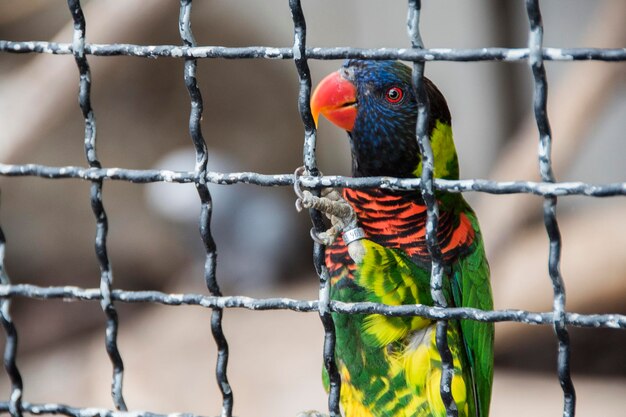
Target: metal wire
x,y
253,178
310,167
210,263
102,225
266,52
535,41
72,293
432,211
106,295
14,406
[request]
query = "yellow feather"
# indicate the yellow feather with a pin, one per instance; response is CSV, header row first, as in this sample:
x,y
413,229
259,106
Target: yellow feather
x,y
416,366
459,393
444,152
352,398
384,329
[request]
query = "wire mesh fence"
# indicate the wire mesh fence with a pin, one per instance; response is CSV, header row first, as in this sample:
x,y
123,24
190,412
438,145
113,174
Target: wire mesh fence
x,y
548,188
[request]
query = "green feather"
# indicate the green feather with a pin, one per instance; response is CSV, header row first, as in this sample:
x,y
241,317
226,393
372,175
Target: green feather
x,y
471,288
367,359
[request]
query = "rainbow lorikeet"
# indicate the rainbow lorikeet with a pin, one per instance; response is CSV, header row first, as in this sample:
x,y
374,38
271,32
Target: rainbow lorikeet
x,y
390,366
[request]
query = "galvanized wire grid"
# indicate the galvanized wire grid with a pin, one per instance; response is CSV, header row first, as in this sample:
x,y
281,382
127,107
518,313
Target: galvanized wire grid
x,y
534,54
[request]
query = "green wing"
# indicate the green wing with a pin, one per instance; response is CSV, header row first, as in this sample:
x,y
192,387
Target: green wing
x,y
471,288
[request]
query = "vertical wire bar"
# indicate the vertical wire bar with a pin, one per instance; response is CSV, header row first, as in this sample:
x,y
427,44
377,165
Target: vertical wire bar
x,y
310,164
10,347
106,276
210,263
428,194
535,44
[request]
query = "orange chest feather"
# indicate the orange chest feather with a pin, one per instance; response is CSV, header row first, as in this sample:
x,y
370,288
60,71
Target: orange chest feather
x,y
399,221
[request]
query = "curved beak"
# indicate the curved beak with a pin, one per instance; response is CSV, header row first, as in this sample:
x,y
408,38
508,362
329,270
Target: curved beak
x,y
335,98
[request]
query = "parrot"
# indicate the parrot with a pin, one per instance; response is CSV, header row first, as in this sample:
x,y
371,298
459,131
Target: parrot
x,y
390,366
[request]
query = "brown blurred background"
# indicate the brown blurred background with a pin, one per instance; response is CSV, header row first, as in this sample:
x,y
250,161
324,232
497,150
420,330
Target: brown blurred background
x,y
251,123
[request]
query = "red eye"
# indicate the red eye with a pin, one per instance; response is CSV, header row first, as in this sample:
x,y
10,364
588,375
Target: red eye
x,y
394,95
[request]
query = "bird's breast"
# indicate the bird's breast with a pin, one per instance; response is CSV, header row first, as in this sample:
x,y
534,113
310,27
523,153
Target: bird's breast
x,y
398,220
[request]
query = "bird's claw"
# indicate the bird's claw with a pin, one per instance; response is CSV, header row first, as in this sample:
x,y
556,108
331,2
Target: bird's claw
x,y
311,413
332,204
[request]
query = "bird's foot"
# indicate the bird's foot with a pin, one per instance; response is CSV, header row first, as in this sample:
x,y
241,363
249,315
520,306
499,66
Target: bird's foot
x,y
311,413
338,211
342,217
332,204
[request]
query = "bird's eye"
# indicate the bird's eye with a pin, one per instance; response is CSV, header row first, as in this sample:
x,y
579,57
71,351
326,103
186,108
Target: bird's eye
x,y
394,95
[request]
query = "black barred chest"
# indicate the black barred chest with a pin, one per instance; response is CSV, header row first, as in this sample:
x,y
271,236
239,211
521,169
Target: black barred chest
x,y
398,220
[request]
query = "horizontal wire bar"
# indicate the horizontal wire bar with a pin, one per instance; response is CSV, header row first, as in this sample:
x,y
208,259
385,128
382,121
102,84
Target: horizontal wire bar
x,y
72,293
52,408
265,52
270,180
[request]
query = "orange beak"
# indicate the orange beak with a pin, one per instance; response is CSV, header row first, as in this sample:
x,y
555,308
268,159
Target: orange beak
x,y
335,98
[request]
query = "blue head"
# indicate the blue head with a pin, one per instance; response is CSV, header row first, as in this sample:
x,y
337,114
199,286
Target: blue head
x,y
375,102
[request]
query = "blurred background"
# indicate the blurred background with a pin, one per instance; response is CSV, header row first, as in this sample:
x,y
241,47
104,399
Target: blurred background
x,y
251,123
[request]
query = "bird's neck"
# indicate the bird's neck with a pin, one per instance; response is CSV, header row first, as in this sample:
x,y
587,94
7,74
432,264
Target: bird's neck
x,y
398,220
376,152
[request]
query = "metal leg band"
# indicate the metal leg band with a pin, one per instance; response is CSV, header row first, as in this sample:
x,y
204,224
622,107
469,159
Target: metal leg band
x,y
352,235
